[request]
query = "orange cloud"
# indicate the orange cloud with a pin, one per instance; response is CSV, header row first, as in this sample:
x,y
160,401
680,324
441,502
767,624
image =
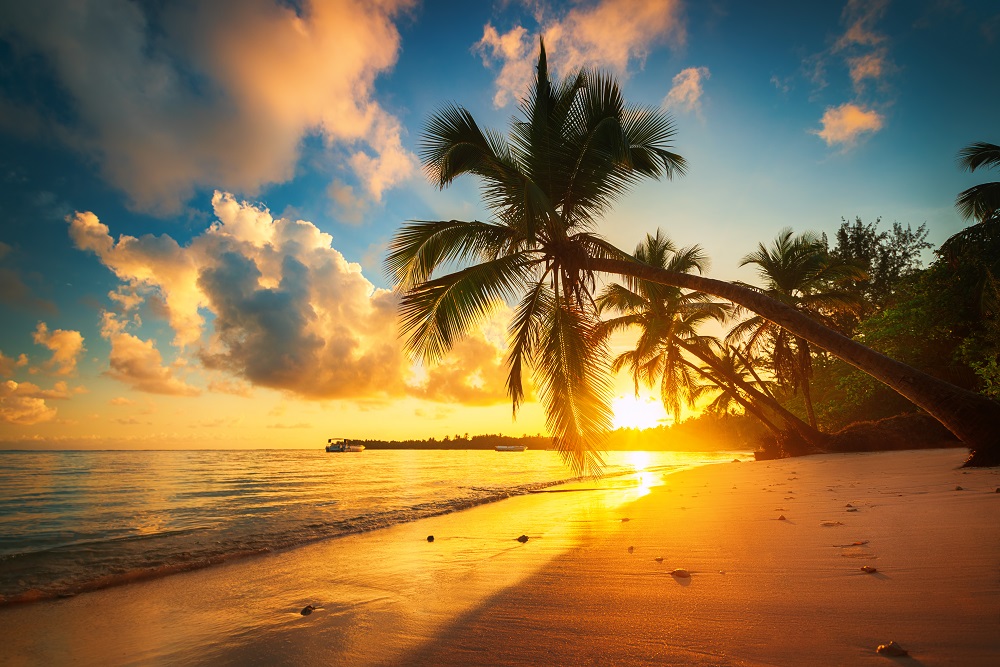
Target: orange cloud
x,y
869,66
608,34
19,405
843,125
138,363
221,92
8,365
685,95
66,346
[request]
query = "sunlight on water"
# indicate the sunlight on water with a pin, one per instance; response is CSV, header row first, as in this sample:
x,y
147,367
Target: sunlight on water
x,y
72,521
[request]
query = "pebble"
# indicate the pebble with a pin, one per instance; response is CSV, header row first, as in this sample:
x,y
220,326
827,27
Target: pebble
x,y
625,519
308,609
782,518
958,488
522,539
869,569
631,549
659,559
681,573
430,538
891,649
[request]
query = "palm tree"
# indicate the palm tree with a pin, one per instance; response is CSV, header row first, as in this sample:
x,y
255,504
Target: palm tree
x,y
980,202
666,317
796,271
576,148
668,320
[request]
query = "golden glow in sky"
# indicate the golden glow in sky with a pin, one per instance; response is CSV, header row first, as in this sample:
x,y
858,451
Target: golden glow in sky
x,y
638,412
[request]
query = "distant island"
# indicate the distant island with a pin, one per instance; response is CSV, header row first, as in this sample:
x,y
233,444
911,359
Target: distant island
x,y
698,434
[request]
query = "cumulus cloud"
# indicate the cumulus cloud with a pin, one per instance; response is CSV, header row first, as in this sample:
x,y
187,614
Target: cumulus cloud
x,y
138,363
269,302
19,404
66,347
169,98
687,89
580,38
9,365
845,124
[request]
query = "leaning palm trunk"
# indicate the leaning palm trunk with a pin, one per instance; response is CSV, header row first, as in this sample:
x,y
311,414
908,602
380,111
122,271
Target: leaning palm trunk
x,y
973,418
725,385
808,440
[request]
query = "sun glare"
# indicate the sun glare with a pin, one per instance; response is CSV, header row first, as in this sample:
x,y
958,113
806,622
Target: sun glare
x,y
633,412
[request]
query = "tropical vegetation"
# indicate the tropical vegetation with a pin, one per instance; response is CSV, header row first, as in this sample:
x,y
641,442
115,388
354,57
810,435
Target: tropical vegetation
x,y
576,148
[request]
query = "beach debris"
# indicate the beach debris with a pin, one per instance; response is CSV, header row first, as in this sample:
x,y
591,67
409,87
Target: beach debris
x,y
958,488
998,489
308,609
736,461
853,509
681,573
722,571
430,538
625,519
631,549
522,539
830,524
848,505
659,559
868,569
782,518
891,649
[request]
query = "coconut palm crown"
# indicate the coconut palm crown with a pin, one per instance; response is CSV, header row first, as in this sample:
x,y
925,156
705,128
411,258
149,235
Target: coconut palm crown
x,y
576,147
667,317
980,202
796,270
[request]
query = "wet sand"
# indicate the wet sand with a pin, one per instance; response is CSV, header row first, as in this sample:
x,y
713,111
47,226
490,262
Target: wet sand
x,y
761,590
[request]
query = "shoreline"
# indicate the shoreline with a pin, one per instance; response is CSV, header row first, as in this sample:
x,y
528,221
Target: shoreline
x,y
761,590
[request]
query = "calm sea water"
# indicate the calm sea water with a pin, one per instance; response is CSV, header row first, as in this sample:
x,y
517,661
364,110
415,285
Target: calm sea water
x,y
75,521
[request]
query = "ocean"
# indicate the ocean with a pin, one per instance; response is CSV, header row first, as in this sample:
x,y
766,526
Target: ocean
x,y
77,521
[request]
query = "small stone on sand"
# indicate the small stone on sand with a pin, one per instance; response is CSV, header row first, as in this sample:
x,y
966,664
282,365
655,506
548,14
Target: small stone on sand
x,y
308,609
830,524
958,488
625,519
659,559
848,505
782,518
853,509
430,538
631,549
681,573
522,539
869,569
891,649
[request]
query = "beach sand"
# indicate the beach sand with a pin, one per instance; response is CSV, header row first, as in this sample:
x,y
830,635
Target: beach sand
x,y
762,590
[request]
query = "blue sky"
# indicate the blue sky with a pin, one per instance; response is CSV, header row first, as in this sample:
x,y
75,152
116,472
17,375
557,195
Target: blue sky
x,y
198,195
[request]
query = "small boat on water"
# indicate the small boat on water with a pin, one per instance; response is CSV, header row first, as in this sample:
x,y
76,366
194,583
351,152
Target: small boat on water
x,y
511,448
342,445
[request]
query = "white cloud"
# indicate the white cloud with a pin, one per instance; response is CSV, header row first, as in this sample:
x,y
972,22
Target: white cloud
x,y
268,302
218,93
845,124
608,34
687,89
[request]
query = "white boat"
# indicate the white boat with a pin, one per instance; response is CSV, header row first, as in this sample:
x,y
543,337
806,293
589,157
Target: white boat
x,y
511,448
341,445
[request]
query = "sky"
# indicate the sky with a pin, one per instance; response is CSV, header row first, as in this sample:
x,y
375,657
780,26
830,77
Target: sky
x,y
198,195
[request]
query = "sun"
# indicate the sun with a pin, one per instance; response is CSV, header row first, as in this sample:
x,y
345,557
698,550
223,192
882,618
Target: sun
x,y
640,413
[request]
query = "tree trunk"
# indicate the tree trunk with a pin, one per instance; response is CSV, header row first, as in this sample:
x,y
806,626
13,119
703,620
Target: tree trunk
x,y
805,372
808,440
973,418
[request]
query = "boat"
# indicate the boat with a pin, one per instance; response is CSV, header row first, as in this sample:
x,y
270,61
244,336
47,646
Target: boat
x,y
342,445
511,448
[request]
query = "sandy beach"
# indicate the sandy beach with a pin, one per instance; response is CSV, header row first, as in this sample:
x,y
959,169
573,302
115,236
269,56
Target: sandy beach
x,y
589,587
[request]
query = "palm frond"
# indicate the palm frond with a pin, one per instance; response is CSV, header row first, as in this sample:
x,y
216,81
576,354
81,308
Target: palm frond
x,y
436,313
534,309
979,154
421,246
572,375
